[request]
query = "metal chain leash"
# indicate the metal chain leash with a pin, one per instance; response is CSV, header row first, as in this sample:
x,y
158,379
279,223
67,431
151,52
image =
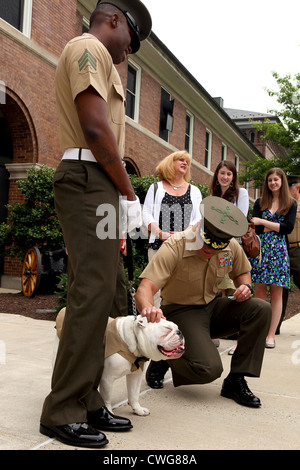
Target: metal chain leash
x,y
132,293
130,274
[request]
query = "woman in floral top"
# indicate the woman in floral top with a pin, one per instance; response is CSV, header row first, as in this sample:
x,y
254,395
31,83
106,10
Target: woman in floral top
x,y
274,216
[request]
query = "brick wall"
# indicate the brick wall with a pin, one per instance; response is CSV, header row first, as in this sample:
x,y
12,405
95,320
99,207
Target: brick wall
x,y
54,24
29,82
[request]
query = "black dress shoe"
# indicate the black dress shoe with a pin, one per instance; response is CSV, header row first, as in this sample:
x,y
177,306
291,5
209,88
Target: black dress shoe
x,y
155,373
236,387
76,434
106,421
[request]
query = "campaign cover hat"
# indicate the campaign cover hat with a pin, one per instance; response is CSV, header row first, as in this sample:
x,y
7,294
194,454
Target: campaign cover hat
x,y
222,221
138,19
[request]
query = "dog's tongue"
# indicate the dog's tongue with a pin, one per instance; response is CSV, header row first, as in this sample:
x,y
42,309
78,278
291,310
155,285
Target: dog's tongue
x,y
174,353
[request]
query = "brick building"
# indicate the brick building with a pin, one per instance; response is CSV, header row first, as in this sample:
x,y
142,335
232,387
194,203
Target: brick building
x,y
167,109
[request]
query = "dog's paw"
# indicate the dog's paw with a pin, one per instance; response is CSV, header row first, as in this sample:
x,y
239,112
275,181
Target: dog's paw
x,y
140,410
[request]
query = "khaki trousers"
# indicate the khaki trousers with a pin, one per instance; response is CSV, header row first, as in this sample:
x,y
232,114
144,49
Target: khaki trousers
x,y
201,362
79,189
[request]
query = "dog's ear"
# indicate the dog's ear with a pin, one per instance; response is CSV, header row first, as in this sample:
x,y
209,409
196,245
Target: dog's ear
x,y
142,322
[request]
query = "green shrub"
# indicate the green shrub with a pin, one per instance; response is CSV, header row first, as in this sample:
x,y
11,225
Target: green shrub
x,y
33,222
61,292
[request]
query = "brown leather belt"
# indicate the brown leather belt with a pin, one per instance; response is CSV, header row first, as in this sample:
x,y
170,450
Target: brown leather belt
x,y
293,244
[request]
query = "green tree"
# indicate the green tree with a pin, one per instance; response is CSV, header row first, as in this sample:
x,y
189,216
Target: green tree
x,y
33,222
285,133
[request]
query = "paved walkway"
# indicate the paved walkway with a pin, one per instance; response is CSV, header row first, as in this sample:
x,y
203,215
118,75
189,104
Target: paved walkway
x,y
186,418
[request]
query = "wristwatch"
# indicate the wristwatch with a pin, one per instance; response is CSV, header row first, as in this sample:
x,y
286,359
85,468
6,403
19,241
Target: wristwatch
x,y
250,287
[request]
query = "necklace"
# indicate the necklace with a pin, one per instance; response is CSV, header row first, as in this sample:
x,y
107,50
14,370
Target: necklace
x,y
176,187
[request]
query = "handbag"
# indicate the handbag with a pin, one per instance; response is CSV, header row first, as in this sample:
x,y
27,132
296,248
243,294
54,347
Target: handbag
x,y
251,242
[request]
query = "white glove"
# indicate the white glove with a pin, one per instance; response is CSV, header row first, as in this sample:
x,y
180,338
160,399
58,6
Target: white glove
x,y
131,214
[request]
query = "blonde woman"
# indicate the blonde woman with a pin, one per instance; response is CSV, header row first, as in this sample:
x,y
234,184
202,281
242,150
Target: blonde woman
x,y
171,205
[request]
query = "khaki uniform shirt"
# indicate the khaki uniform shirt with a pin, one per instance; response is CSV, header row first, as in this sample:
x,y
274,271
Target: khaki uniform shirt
x,y
295,235
85,62
115,344
187,279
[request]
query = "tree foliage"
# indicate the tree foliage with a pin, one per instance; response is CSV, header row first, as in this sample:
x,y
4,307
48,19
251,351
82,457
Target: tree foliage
x,y
285,133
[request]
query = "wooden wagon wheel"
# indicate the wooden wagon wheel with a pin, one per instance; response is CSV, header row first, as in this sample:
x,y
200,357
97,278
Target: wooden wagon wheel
x,y
31,272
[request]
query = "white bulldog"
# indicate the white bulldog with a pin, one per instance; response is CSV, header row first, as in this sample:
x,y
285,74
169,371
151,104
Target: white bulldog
x,y
130,342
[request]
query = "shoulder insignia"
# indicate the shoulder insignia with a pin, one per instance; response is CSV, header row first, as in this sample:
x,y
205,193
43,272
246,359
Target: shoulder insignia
x,y
87,62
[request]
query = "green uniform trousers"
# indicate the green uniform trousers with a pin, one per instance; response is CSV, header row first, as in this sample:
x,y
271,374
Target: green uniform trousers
x,y
79,189
201,362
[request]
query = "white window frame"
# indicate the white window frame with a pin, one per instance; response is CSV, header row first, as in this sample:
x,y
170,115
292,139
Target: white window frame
x,y
237,162
25,27
208,150
86,22
168,131
224,152
137,94
27,18
252,133
191,134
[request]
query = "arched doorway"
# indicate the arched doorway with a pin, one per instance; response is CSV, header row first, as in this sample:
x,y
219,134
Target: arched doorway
x,y
18,151
131,167
6,156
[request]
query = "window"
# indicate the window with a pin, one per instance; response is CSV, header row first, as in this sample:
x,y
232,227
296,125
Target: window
x,y
166,115
189,129
11,11
252,136
18,14
85,25
133,91
237,162
224,152
208,139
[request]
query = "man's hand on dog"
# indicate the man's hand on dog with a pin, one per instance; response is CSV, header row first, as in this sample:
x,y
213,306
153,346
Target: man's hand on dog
x,y
153,314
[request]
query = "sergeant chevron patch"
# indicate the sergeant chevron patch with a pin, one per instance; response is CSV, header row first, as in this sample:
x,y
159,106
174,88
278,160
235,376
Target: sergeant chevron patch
x,y
87,62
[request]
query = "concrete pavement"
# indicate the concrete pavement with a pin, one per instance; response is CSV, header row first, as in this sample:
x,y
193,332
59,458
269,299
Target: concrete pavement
x,y
186,418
